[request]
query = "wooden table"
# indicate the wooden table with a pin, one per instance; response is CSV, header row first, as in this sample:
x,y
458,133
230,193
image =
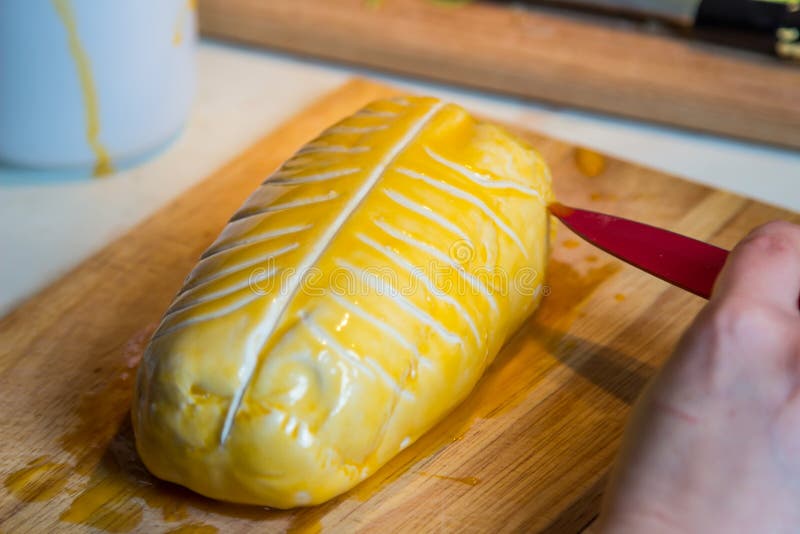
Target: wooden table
x,y
597,63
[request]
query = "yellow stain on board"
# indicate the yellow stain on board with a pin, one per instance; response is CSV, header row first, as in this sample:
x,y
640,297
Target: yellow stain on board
x,y
105,505
40,480
590,163
103,163
194,528
602,197
299,525
469,481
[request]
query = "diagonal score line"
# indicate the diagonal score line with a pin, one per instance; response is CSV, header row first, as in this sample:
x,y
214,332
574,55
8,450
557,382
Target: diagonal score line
x,y
278,307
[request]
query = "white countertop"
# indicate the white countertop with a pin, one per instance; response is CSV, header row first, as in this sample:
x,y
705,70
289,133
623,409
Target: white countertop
x,y
49,224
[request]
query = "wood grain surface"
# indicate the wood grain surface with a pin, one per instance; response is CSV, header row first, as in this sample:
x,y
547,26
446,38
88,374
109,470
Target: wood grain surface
x,y
527,451
533,53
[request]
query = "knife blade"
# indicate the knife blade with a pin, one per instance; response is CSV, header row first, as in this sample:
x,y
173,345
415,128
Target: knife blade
x,y
682,261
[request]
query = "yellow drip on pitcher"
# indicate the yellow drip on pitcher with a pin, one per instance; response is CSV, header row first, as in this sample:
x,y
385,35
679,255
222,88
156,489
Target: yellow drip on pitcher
x,y
103,163
177,37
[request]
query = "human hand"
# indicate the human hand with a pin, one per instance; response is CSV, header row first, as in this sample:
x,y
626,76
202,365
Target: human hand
x,y
713,444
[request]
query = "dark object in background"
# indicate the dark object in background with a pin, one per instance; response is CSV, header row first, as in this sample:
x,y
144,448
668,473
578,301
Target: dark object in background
x,y
768,26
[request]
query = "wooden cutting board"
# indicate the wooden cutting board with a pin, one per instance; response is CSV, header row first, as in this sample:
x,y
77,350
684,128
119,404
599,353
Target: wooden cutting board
x,y
527,451
591,62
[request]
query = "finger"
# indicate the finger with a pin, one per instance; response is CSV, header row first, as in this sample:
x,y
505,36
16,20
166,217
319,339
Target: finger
x,y
764,267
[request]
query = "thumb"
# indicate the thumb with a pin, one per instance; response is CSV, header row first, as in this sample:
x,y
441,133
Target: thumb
x,y
764,267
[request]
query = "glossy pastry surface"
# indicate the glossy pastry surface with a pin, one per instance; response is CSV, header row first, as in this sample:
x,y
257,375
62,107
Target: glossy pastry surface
x,y
354,299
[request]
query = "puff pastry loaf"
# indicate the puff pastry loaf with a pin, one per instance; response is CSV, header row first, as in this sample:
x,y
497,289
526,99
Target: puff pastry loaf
x,y
355,298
